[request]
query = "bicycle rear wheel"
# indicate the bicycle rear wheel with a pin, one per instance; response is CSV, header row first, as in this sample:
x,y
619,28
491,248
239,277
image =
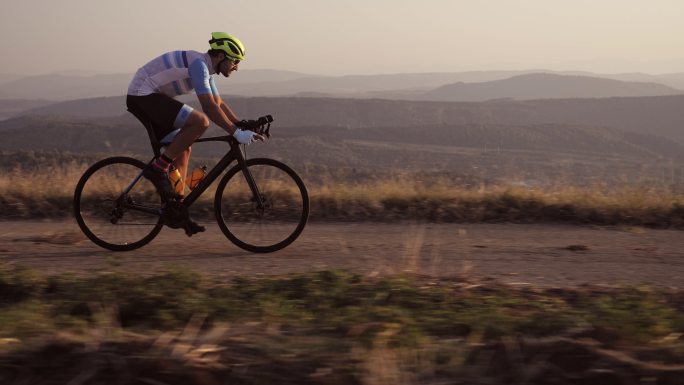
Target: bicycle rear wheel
x,y
109,217
275,225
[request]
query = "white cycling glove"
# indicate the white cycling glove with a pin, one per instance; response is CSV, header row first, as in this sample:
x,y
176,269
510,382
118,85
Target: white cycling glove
x,y
244,136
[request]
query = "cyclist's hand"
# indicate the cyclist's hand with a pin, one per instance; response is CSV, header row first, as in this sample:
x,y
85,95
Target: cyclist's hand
x,y
246,136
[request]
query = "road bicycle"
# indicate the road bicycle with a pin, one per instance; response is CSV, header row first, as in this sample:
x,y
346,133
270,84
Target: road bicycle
x,y
260,204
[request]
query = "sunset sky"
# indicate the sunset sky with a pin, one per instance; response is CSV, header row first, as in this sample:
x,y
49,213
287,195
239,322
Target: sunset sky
x,y
349,37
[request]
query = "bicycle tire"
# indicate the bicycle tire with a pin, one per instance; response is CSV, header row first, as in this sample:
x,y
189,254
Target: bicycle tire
x,y
287,211
91,208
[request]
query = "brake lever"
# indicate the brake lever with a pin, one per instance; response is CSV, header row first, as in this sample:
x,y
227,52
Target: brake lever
x,y
261,126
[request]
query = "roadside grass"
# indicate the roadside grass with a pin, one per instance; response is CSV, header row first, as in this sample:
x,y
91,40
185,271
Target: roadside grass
x,y
47,192
437,200
341,327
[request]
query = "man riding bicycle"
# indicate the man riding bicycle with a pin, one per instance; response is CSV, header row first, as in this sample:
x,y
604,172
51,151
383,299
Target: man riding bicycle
x,y
152,92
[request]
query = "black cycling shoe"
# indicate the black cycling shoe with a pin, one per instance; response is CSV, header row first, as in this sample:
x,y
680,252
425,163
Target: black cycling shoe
x,y
191,228
160,180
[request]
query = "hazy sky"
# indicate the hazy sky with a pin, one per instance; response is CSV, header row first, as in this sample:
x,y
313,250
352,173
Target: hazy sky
x,y
337,37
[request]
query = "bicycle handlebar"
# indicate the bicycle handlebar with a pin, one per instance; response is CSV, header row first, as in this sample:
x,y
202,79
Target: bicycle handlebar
x,y
261,126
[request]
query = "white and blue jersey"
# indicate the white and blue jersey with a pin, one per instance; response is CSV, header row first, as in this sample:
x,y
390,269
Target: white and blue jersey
x,y
172,74
175,73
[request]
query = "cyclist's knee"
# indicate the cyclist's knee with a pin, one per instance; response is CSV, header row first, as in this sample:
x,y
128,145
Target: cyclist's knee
x,y
198,121
204,123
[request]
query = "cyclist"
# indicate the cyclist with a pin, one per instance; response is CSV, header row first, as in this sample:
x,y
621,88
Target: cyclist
x,y
153,91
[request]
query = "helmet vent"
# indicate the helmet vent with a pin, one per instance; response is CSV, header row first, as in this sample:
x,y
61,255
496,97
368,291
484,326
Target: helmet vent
x,y
234,49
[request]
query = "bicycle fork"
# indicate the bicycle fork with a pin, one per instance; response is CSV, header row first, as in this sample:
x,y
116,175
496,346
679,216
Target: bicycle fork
x,y
256,194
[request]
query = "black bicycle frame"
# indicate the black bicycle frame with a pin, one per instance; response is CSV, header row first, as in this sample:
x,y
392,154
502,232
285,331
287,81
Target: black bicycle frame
x,y
235,153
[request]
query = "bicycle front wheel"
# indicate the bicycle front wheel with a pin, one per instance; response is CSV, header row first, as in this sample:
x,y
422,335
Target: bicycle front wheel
x,y
272,225
109,215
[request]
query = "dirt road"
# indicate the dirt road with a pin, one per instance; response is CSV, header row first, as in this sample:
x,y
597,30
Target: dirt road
x,y
539,255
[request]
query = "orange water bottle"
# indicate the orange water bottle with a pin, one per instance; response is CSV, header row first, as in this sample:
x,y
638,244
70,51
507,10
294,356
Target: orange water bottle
x,y
196,177
176,181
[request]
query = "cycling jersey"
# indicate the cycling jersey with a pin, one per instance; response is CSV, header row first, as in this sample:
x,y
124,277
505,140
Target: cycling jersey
x,y
175,73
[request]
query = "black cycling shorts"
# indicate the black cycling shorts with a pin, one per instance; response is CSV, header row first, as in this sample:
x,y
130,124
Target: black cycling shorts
x,y
165,112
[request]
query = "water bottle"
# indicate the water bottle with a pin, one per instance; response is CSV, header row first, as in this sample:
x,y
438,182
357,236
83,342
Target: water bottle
x,y
176,181
196,177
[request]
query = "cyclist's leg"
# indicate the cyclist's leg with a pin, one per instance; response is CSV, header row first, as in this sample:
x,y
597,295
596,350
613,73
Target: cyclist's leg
x,y
180,148
163,112
193,128
169,115
181,162
166,113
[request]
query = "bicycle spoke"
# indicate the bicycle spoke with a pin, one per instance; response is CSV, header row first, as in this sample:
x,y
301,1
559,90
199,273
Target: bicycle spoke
x,y
273,224
113,220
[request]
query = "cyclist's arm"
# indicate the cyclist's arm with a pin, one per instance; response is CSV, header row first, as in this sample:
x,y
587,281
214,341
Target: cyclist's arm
x,y
224,107
229,113
207,94
212,106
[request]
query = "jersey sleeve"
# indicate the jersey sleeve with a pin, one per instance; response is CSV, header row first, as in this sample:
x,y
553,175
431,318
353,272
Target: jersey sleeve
x,y
200,79
212,83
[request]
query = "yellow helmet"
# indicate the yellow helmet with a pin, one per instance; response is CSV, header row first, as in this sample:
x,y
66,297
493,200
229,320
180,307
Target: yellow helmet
x,y
229,44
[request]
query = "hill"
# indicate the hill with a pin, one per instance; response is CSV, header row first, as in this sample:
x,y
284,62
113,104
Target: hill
x,y
125,134
264,82
392,86
546,86
675,80
5,78
83,108
67,86
13,107
572,141
661,115
552,153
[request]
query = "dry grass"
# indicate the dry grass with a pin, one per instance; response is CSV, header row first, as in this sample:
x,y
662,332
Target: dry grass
x,y
442,201
47,191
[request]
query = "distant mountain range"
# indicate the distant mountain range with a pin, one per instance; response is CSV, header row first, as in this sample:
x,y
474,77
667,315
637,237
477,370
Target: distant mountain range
x,y
5,78
328,145
14,107
458,86
675,80
69,86
658,115
545,86
609,138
